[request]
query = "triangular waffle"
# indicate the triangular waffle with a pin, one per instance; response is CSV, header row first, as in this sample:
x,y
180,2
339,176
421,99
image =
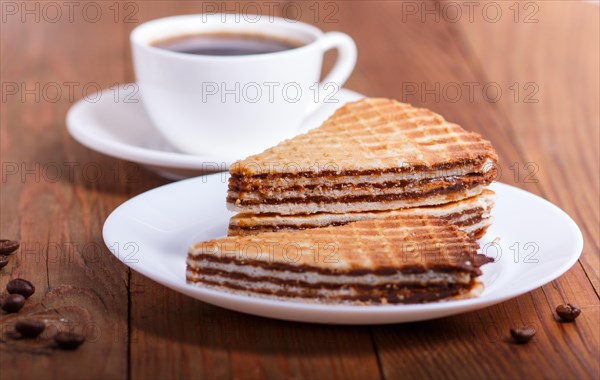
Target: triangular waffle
x,y
396,260
373,154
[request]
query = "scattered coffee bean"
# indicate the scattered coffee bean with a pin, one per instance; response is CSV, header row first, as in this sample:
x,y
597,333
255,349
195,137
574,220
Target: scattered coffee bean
x,y
3,261
30,328
68,340
568,312
13,303
20,286
8,246
522,335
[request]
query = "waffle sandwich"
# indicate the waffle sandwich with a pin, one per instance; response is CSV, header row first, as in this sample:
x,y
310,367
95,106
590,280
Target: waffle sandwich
x,y
370,155
398,260
471,215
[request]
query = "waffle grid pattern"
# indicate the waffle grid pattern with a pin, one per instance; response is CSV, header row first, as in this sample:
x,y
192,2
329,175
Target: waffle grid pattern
x,y
416,241
372,133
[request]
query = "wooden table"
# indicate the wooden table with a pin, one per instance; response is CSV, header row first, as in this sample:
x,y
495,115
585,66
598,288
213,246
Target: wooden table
x,y
56,194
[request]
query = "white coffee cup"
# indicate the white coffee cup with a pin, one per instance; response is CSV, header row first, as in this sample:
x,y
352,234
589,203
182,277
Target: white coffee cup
x,y
235,105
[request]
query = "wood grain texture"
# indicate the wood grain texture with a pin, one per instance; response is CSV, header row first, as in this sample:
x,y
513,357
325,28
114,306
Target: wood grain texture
x,y
138,329
559,127
55,195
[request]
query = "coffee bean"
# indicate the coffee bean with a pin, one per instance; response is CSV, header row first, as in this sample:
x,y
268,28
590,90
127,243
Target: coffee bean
x,y
68,340
20,286
568,312
522,335
8,246
30,328
3,261
13,303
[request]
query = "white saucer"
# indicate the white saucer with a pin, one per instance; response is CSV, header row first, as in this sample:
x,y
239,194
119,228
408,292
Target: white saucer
x,y
151,233
115,123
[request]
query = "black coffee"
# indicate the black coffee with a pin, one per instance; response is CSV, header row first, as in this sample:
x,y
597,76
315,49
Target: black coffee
x,y
226,44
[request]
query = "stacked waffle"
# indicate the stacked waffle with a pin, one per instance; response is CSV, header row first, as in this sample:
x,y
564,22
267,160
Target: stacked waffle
x,y
372,159
403,259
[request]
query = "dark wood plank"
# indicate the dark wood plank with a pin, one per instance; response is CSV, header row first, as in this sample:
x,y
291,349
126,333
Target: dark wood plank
x,y
55,194
175,336
560,124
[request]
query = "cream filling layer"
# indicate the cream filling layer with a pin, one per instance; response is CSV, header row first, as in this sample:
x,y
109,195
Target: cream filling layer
x,y
425,278
326,219
361,206
334,179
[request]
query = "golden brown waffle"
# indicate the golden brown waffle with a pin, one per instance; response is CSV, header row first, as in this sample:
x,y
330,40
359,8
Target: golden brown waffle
x,y
472,215
396,260
373,134
373,154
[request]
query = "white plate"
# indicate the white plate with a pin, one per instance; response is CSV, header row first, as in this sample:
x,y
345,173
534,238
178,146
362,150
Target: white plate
x,y
151,233
113,122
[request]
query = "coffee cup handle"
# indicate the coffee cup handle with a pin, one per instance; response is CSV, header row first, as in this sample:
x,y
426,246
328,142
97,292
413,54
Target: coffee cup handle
x,y
340,72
